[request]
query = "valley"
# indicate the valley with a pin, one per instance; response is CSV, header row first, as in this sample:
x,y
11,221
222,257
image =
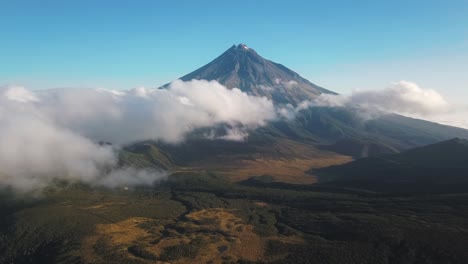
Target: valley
x,y
207,218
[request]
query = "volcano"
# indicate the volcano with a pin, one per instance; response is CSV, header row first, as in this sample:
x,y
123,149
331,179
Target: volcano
x,y
286,148
242,67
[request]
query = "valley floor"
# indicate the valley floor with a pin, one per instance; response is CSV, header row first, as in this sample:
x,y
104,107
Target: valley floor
x,y
204,218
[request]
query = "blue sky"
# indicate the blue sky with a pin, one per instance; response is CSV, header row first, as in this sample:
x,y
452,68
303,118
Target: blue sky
x,y
341,45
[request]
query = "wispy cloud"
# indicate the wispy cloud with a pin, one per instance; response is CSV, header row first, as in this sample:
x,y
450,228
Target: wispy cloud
x,y
402,97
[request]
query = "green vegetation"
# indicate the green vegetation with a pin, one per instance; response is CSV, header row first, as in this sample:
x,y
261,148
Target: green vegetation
x,y
188,250
141,252
296,223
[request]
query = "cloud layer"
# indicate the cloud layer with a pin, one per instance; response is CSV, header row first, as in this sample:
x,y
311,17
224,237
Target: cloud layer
x,y
53,134
402,97
126,116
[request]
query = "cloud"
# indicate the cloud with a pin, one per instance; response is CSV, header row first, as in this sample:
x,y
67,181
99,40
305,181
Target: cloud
x,y
53,134
159,114
265,88
19,94
457,117
402,97
286,83
130,176
291,84
35,150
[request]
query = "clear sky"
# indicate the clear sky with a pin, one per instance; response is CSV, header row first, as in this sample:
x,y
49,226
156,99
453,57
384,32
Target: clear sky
x,y
340,45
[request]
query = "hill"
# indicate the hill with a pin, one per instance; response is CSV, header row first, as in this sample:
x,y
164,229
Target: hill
x,y
436,166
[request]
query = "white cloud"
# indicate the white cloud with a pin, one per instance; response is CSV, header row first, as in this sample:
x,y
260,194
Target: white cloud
x,y
52,134
265,88
157,114
290,84
286,83
235,134
19,94
457,117
130,176
402,97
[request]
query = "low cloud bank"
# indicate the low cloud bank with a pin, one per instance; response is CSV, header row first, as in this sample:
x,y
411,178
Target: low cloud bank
x,y
161,114
403,97
53,134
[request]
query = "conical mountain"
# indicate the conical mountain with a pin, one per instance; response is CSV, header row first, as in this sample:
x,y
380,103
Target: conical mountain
x,y
343,127
241,67
285,148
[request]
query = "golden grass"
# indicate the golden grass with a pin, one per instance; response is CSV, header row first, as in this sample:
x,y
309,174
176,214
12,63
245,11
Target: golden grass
x,y
118,236
238,237
289,171
216,227
286,161
103,205
261,204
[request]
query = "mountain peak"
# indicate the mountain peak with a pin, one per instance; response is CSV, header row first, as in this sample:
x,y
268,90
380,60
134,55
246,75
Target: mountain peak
x,y
241,67
241,49
242,46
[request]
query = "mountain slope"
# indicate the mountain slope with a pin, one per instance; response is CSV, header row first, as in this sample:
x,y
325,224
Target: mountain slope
x,y
387,133
241,67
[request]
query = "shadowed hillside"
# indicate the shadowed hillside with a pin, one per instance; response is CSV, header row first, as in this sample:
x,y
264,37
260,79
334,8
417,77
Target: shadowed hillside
x,y
428,168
